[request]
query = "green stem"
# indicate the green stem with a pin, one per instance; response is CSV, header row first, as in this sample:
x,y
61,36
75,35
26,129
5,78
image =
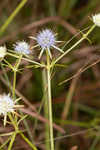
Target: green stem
x,y
45,98
50,103
11,17
26,139
25,122
14,85
28,129
14,134
15,70
68,99
77,43
26,59
13,122
6,76
5,143
95,142
12,141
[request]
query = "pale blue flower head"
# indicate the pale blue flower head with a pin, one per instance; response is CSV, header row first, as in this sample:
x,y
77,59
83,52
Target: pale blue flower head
x,y
22,47
46,40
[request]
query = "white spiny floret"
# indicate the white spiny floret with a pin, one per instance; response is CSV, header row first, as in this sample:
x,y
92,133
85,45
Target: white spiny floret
x,y
6,104
2,51
96,19
46,39
22,47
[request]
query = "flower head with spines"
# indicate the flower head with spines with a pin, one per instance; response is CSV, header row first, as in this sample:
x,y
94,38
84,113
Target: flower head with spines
x,y
7,105
46,40
96,19
22,47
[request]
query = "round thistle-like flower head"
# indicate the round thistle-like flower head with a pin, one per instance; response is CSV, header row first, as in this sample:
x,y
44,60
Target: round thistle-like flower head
x,y
46,40
22,47
6,104
2,51
96,19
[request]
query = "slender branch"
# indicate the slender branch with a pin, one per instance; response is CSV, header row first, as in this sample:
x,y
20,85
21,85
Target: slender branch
x,y
27,140
45,97
15,69
77,43
50,103
12,16
14,85
26,59
12,141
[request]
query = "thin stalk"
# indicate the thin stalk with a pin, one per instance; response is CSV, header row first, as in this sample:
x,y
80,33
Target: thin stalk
x,y
95,142
11,17
5,143
68,99
77,43
14,80
26,59
50,103
67,104
14,134
12,141
9,85
38,112
29,143
13,122
5,75
28,129
45,97
14,85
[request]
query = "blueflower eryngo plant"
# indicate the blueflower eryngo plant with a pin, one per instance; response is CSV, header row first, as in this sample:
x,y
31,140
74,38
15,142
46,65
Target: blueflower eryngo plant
x,y
46,40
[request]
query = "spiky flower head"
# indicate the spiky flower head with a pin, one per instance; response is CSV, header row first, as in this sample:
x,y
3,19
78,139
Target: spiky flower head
x,y
46,40
7,105
2,51
96,19
22,47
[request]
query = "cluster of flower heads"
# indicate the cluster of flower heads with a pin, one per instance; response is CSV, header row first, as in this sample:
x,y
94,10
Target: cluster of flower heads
x,y
46,39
